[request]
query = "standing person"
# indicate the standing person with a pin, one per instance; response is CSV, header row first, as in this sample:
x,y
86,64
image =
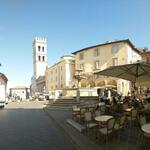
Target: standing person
x,y
99,93
106,93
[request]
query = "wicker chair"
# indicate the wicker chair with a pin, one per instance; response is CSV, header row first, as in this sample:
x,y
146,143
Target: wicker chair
x,y
133,117
142,120
89,122
75,113
120,124
83,110
106,131
103,109
97,113
143,135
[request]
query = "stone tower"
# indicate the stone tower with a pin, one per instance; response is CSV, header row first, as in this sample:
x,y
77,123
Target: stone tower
x,y
39,62
39,57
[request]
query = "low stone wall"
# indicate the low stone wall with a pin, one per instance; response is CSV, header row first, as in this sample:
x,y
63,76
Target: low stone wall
x,y
83,92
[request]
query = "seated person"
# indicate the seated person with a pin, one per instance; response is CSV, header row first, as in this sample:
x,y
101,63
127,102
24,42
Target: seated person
x,y
107,101
114,104
126,99
146,99
114,101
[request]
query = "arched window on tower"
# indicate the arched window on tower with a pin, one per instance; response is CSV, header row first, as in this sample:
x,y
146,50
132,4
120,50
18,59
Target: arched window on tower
x,y
39,58
39,48
43,58
43,49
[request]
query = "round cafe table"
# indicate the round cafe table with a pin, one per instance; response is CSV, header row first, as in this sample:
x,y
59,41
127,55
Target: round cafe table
x,y
76,109
103,118
146,128
128,109
101,104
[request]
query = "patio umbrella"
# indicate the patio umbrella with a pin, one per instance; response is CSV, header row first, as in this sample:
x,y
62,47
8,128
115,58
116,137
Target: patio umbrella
x,y
135,72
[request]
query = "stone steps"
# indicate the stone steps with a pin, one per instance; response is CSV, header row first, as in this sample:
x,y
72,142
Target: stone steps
x,y
64,102
59,107
68,102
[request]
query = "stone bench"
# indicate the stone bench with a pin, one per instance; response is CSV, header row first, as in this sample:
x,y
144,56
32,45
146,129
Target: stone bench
x,y
76,125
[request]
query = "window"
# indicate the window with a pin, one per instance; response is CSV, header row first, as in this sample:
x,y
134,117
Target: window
x,y
39,58
39,48
115,61
96,64
43,49
114,48
82,66
43,58
81,56
96,52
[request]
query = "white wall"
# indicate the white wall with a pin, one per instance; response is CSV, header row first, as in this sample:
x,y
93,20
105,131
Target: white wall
x,y
20,93
2,93
132,56
67,73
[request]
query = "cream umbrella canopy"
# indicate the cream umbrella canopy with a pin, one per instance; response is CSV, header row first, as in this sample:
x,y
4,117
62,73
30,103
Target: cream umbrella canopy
x,y
135,72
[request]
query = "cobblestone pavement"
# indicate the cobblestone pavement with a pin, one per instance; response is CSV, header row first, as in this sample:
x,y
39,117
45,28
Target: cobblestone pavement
x,y
25,126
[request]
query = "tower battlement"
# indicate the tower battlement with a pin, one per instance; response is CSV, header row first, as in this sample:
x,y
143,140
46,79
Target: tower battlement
x,y
39,39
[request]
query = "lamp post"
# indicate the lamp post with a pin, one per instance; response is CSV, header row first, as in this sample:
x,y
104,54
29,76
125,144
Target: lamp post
x,y
78,77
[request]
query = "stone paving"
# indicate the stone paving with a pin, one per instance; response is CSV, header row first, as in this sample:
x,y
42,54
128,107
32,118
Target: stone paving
x,y
25,126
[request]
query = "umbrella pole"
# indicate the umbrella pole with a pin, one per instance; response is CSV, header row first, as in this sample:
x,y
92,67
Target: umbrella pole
x,y
135,89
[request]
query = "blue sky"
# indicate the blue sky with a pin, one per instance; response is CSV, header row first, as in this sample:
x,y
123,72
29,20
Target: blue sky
x,y
68,25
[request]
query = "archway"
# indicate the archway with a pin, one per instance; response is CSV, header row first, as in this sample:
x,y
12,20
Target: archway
x,y
101,83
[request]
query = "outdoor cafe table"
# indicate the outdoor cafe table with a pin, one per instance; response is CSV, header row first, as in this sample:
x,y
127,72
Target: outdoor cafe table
x,y
103,118
146,128
76,109
128,109
101,104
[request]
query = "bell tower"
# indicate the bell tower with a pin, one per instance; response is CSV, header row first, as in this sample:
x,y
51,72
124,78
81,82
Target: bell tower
x,y
39,57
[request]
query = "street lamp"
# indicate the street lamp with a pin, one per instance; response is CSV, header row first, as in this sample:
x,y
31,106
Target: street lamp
x,y
78,77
